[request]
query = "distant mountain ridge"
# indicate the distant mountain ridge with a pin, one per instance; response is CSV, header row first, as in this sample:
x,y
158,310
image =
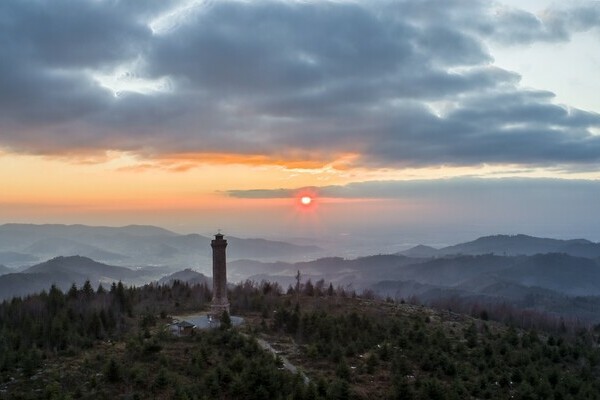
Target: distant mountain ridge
x,y
131,245
541,273
511,245
555,282
15,258
69,247
63,229
64,271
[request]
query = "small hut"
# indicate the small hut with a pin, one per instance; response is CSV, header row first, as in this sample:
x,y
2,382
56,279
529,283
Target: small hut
x,y
182,328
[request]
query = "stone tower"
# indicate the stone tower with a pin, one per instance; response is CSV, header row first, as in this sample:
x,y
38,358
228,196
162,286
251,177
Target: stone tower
x,y
219,300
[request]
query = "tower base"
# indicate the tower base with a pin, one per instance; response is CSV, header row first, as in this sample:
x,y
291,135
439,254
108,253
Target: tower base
x,y
216,310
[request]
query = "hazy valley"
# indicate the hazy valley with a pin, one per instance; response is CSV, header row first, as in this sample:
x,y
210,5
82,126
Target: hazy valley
x,y
559,277
135,245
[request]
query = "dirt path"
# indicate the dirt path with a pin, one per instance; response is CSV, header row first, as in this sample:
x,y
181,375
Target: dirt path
x,y
286,363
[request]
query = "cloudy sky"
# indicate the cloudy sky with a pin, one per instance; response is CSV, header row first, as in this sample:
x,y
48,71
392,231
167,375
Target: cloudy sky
x,y
461,116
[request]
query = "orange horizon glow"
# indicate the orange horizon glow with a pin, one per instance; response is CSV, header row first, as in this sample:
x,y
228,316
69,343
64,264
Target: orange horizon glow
x,y
124,185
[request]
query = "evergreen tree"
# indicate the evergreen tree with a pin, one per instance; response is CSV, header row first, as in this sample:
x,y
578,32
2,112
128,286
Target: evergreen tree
x,y
225,321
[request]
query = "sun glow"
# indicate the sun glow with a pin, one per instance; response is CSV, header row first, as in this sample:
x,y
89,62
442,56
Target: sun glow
x,y
305,200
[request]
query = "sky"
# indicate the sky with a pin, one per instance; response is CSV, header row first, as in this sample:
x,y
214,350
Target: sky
x,y
407,121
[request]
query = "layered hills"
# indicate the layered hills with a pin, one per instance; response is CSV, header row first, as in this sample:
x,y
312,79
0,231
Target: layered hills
x,y
26,244
65,271
4,270
553,282
549,275
511,245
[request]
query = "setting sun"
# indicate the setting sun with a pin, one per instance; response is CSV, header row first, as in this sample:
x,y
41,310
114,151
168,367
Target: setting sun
x,y
306,200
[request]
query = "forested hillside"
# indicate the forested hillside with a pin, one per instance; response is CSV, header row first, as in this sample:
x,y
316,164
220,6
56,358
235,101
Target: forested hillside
x,y
113,343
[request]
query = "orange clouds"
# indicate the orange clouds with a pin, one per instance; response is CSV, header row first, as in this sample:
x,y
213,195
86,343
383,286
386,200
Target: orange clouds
x,y
181,162
125,182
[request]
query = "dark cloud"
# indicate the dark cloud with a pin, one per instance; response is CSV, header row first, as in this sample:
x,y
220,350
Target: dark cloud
x,y
444,189
518,27
67,34
277,77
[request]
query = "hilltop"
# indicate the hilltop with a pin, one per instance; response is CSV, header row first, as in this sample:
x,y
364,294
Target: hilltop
x,y
188,276
346,346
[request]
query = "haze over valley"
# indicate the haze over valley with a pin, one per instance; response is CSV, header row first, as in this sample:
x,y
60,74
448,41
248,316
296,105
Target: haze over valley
x,y
560,277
